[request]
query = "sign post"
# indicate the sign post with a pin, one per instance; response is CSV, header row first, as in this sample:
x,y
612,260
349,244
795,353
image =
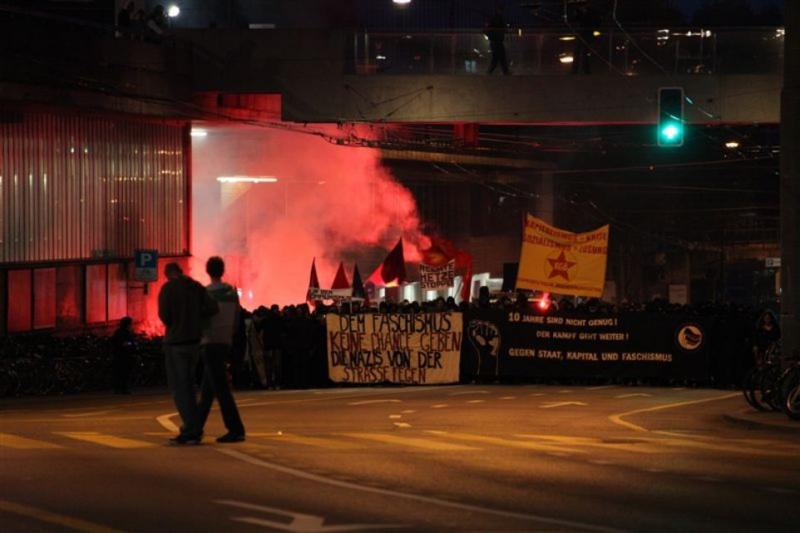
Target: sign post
x,y
145,266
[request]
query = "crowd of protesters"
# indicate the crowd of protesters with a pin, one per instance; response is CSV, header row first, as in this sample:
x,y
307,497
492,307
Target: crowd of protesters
x,y
287,347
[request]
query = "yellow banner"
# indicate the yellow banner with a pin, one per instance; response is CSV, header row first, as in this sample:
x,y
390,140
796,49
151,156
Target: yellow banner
x,y
562,262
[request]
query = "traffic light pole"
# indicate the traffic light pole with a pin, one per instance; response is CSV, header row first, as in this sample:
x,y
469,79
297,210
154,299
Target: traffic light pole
x,y
790,184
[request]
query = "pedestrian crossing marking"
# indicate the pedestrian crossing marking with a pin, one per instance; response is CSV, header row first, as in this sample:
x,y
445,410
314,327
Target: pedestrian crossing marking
x,y
412,442
21,443
105,440
318,442
645,447
497,441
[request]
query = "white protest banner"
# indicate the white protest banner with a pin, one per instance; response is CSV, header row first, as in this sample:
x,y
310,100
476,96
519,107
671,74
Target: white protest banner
x,y
412,349
436,278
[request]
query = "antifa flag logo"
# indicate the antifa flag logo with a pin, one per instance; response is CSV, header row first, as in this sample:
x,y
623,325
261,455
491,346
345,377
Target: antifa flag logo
x,y
689,337
485,337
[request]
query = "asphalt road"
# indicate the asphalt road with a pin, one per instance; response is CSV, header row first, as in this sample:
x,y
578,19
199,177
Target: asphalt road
x,y
466,458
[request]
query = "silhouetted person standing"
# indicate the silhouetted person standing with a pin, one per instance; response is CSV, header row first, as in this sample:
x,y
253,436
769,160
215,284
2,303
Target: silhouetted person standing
x,y
586,20
122,348
215,349
182,306
496,32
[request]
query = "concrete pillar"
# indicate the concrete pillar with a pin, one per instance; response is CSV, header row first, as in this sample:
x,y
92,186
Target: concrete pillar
x,y
790,184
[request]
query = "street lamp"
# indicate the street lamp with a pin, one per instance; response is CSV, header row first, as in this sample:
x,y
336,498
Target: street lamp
x,y
401,2
173,11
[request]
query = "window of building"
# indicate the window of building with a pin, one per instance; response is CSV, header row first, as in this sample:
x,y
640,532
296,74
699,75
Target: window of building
x,y
20,314
44,298
96,293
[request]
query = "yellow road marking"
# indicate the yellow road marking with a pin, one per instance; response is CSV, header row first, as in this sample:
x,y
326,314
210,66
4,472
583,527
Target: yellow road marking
x,y
319,442
412,442
21,443
76,524
618,418
105,440
595,443
497,441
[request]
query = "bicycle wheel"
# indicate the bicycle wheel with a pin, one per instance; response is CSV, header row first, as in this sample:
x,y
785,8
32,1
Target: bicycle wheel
x,y
791,394
792,405
768,385
748,387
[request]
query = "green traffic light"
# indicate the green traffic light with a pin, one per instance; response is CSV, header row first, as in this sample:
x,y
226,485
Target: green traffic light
x,y
671,133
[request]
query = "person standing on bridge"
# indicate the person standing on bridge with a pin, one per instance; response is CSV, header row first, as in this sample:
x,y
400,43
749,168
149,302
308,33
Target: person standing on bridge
x,y
496,33
215,349
183,304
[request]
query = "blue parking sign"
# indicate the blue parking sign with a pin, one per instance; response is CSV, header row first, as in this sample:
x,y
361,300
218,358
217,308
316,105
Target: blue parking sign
x,y
146,265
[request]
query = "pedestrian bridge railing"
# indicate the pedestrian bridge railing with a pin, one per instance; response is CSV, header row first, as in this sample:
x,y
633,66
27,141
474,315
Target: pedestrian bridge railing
x,y
534,52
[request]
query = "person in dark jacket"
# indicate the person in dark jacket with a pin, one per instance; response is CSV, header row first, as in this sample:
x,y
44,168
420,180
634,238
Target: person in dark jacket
x,y
768,332
496,33
122,348
183,305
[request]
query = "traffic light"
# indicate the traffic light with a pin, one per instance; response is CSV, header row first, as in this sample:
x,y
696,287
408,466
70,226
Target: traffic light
x,y
671,128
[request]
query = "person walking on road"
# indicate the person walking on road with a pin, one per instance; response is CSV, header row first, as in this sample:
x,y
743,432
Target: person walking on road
x,y
183,304
215,349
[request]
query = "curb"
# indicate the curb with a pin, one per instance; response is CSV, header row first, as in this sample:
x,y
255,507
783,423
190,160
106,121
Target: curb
x,y
784,426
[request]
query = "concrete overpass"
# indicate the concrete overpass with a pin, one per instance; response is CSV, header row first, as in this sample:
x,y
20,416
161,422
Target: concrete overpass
x,y
318,75
329,76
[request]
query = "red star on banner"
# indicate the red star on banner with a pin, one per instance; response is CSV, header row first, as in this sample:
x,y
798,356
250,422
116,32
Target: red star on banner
x,y
560,266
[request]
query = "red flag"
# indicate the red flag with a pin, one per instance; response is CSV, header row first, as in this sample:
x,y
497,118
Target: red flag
x,y
441,251
340,281
313,282
393,268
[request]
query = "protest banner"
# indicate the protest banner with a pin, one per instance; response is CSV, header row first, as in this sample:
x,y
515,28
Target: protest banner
x,y
411,349
526,344
434,278
562,262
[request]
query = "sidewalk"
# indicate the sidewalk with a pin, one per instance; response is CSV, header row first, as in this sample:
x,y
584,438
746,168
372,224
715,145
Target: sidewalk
x,y
753,419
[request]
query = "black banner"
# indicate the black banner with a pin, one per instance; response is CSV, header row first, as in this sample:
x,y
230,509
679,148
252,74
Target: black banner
x,y
639,345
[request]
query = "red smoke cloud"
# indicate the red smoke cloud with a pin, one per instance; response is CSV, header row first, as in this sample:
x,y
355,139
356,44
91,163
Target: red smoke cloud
x,y
330,202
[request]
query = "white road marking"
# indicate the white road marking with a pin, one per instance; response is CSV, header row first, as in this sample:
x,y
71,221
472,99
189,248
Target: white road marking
x,y
476,401
508,397
633,395
22,443
167,423
537,394
370,402
402,424
408,411
395,416
550,405
565,391
439,406
569,524
92,413
462,393
617,419
601,387
298,521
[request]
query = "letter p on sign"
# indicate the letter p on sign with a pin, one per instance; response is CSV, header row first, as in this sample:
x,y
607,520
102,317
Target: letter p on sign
x,y
146,265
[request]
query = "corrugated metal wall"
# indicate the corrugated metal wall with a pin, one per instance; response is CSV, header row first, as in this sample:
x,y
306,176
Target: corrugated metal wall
x,y
80,187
